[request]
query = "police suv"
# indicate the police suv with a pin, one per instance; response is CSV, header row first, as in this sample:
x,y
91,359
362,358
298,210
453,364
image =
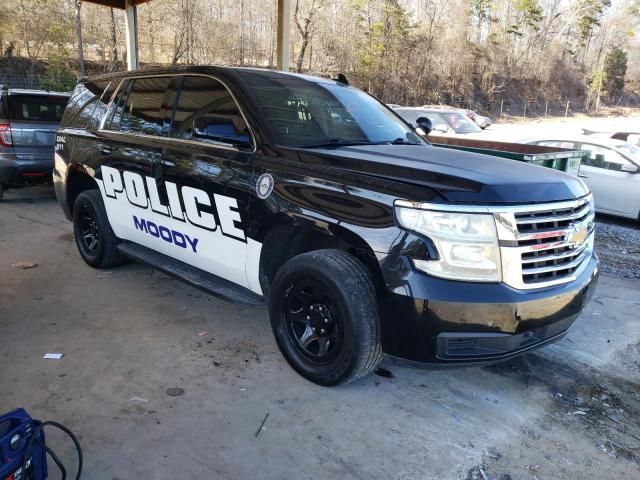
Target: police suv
x,y
312,196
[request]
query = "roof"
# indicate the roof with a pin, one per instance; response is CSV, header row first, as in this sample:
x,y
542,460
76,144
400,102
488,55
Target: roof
x,y
560,137
430,110
116,3
27,91
212,70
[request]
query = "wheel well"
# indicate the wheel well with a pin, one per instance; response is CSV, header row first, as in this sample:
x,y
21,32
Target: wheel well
x,y
78,182
283,242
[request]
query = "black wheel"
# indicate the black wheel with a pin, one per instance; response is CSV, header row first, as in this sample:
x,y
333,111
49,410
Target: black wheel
x,y
2,189
94,237
324,315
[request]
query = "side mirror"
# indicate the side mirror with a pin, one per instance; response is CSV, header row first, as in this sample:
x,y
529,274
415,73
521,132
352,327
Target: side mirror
x,y
629,168
424,124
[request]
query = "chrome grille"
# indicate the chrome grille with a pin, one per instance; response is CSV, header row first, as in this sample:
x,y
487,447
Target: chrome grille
x,y
546,244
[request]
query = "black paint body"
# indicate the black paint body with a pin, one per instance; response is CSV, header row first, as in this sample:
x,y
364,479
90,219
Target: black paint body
x,y
344,196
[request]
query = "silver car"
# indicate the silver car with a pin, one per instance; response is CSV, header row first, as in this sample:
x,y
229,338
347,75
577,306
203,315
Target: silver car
x,y
611,171
445,122
28,123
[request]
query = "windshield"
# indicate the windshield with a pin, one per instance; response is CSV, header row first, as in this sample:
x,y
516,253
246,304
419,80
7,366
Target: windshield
x,y
305,113
460,122
631,151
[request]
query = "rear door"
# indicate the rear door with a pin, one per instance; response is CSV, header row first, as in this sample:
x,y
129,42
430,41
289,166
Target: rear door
x,y
126,149
613,189
34,120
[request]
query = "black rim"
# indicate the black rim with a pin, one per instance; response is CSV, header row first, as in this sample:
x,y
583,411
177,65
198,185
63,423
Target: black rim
x,y
312,322
88,226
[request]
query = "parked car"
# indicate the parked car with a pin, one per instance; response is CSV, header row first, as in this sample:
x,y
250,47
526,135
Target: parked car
x,y
444,122
311,196
631,137
482,121
28,123
610,171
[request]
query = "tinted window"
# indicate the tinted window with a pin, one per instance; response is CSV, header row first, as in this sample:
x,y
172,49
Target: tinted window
x,y
41,108
82,103
306,113
101,105
141,106
207,112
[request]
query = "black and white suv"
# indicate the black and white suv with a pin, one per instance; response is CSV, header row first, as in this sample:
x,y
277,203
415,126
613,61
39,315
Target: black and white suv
x,y
313,197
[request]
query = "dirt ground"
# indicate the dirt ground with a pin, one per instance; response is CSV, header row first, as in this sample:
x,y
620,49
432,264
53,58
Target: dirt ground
x,y
151,398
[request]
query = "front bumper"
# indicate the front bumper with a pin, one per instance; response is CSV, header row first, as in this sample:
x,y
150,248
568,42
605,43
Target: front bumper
x,y
436,321
16,172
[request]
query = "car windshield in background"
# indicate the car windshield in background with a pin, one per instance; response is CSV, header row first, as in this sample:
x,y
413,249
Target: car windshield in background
x,y
459,122
306,114
631,151
40,108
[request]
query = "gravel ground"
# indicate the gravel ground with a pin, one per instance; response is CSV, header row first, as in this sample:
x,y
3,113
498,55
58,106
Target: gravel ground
x,y
618,246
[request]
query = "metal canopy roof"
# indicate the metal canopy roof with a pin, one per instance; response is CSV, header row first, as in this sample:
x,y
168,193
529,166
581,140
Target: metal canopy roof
x,y
131,29
122,4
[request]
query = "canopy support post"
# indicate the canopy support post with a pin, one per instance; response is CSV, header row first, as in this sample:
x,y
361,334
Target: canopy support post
x,y
284,24
131,30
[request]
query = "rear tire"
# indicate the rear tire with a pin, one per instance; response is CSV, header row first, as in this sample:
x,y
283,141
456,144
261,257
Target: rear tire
x,y
95,239
2,189
324,315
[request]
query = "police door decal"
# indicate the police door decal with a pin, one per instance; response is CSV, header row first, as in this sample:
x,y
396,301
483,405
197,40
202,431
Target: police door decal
x,y
202,230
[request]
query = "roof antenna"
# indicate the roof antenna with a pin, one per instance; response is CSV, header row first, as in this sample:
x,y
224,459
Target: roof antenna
x,y
341,79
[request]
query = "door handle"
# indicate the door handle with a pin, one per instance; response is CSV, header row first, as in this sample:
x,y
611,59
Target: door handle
x,y
105,150
582,175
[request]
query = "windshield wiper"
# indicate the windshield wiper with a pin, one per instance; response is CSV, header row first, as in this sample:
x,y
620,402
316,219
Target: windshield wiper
x,y
336,142
403,141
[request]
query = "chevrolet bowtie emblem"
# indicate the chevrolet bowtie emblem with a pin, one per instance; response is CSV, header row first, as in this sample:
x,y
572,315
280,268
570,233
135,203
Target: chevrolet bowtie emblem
x,y
577,234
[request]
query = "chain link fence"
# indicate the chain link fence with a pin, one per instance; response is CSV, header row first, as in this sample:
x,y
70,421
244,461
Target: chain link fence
x,y
540,108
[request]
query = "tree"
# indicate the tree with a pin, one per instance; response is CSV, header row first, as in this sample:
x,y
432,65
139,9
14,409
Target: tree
x,y
528,15
615,69
78,7
305,27
113,58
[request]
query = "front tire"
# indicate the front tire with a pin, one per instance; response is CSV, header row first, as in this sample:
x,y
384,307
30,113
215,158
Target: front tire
x,y
324,315
94,237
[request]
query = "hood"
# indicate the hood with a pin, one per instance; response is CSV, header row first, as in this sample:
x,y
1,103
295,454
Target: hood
x,y
457,176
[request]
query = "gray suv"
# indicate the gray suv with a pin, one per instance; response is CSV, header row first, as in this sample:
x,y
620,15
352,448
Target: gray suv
x,y
28,123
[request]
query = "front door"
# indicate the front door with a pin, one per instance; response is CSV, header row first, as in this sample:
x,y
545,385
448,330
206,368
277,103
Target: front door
x,y
205,177
613,189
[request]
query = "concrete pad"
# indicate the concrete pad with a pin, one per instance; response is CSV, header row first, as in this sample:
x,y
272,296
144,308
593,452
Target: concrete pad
x,y
130,334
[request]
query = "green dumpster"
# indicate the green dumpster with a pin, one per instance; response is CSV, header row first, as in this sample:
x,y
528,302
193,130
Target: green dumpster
x,y
563,159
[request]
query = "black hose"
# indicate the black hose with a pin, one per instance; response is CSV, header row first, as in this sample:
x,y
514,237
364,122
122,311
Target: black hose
x,y
51,452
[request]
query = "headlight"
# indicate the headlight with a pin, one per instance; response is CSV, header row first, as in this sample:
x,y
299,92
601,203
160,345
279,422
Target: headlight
x,y
467,243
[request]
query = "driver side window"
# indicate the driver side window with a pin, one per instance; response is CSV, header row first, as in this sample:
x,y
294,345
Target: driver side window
x,y
602,157
206,112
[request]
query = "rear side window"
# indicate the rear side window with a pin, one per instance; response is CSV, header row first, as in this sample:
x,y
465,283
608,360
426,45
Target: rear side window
x,y
206,112
602,157
40,108
141,107
82,103
101,106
